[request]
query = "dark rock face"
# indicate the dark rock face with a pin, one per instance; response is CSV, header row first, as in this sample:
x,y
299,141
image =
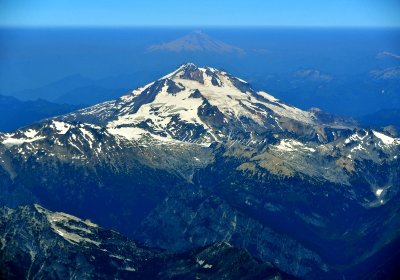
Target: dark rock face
x,y
215,81
37,243
173,88
149,95
241,85
193,221
198,158
196,94
211,115
191,72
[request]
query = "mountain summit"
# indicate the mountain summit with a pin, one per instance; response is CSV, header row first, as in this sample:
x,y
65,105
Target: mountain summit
x,y
197,41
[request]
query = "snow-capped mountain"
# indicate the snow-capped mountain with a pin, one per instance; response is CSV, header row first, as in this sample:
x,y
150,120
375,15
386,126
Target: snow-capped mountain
x,y
196,41
202,105
199,157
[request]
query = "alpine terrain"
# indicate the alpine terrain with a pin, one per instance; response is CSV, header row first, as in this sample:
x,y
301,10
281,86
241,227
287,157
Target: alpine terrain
x,y
213,174
60,246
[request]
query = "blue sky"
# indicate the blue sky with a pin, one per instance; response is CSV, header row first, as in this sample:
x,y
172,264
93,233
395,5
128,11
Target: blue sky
x,y
354,13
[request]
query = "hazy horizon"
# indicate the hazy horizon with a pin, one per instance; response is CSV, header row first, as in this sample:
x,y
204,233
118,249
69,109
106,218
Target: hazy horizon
x,y
283,13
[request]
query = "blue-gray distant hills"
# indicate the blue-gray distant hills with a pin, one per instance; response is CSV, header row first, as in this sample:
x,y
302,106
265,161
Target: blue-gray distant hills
x,y
196,41
15,113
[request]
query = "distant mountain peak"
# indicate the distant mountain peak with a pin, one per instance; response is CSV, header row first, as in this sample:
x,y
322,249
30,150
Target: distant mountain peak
x,y
197,41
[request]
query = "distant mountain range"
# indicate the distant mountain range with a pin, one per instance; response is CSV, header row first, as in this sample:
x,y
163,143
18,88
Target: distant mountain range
x,y
197,41
311,75
358,94
15,113
55,89
195,159
78,90
382,118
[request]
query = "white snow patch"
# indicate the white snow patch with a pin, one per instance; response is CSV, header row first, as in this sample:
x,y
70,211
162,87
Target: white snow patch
x,y
30,133
120,257
359,147
88,136
138,134
378,192
289,145
355,137
129,268
130,133
386,140
10,141
61,127
240,80
203,264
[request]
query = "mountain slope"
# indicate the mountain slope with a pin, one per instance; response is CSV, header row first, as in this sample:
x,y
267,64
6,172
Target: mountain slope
x,y
199,157
38,243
